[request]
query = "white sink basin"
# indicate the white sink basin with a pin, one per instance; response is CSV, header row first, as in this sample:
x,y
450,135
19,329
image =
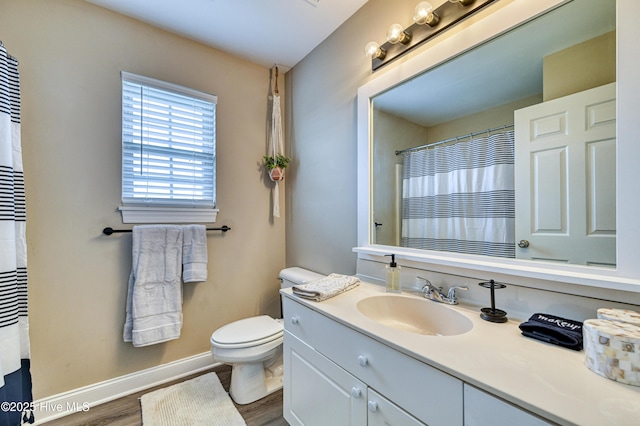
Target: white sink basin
x,y
420,316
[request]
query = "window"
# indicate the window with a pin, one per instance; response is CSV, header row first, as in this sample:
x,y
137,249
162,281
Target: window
x,y
168,152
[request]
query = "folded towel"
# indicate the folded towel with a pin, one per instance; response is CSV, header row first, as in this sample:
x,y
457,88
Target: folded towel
x,y
194,254
154,296
551,329
326,287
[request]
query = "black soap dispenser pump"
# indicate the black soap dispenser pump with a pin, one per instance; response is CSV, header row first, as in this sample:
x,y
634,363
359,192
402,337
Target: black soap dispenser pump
x,y
393,275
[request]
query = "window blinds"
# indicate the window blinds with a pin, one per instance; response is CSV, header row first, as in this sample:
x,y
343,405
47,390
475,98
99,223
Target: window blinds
x,y
168,144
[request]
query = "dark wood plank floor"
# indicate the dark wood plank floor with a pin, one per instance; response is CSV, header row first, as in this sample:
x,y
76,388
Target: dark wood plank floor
x,y
126,411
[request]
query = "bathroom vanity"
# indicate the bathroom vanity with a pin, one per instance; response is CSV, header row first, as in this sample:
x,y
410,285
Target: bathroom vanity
x,y
349,364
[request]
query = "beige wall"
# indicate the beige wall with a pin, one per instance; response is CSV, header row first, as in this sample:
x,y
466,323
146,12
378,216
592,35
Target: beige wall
x,y
390,134
71,53
580,67
488,119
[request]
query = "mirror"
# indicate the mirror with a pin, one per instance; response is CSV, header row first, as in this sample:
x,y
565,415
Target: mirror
x,y
498,19
560,55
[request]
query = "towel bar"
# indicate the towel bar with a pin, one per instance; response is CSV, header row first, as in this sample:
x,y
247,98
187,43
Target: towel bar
x,y
109,230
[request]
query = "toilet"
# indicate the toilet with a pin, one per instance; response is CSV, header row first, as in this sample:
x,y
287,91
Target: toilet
x,y
253,347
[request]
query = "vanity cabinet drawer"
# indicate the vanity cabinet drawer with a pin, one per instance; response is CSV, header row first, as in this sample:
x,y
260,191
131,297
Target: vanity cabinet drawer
x,y
299,321
430,395
481,408
383,412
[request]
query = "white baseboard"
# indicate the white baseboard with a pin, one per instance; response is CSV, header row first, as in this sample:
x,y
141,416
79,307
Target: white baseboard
x,y
82,399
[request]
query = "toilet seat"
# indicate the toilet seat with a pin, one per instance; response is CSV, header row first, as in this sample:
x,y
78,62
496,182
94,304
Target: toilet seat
x,y
248,332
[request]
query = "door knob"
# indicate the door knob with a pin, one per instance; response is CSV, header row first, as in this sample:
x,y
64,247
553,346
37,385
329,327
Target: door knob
x,y
523,244
373,406
356,392
363,361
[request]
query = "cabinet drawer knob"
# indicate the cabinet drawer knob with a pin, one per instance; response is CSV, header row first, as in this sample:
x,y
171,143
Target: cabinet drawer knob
x,y
356,392
363,361
295,320
373,406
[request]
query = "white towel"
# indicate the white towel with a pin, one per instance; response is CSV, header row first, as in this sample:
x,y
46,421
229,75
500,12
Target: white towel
x,y
326,287
154,297
194,254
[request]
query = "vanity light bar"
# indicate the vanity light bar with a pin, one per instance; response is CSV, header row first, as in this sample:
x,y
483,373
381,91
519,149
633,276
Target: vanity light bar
x,y
449,14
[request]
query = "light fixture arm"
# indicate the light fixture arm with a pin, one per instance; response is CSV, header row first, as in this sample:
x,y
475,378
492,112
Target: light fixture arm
x,y
462,2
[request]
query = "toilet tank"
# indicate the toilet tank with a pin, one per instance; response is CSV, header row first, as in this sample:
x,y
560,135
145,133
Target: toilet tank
x,y
297,276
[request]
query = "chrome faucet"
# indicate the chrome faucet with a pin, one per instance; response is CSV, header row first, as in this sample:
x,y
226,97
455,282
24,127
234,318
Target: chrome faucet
x,y
451,294
434,293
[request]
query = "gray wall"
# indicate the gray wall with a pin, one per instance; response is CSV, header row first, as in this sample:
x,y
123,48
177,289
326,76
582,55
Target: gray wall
x,y
321,134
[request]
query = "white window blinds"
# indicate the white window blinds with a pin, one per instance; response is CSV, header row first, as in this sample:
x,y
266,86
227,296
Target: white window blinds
x,y
168,144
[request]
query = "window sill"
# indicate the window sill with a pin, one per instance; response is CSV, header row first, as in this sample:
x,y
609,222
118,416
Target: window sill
x,y
167,215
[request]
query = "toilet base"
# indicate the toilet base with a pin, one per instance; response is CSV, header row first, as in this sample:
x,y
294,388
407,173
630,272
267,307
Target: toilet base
x,y
252,381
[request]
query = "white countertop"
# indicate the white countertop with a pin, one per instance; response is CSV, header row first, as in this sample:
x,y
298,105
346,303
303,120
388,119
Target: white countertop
x,y
545,379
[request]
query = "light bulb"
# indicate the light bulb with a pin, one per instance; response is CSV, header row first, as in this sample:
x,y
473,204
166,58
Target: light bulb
x,y
374,51
424,14
397,34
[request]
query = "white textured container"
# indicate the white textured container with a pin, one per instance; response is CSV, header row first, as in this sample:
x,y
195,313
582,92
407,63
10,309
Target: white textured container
x,y
624,315
612,350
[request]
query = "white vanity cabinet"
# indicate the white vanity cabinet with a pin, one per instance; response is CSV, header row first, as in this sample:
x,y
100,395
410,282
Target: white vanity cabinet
x,y
336,375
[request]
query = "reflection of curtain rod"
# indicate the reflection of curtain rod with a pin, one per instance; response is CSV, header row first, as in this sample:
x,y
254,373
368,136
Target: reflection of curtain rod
x,y
456,139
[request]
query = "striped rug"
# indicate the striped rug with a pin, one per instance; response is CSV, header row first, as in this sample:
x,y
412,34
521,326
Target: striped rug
x,y
200,401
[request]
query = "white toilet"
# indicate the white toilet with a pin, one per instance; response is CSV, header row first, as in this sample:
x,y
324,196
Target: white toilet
x,y
253,347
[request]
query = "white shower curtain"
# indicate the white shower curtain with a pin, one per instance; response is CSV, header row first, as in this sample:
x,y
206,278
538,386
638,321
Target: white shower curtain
x,y
15,376
460,197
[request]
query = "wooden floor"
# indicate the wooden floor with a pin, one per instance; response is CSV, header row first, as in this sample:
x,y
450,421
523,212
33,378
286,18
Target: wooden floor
x,y
126,410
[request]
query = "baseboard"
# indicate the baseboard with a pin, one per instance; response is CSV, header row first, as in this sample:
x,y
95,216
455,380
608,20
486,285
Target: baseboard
x,y
82,399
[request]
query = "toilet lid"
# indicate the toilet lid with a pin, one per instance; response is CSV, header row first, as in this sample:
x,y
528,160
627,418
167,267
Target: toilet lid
x,y
248,330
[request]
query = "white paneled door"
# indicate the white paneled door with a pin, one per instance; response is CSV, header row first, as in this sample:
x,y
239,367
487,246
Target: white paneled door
x,y
565,179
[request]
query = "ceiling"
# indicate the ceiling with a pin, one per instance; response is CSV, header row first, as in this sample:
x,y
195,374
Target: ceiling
x,y
264,32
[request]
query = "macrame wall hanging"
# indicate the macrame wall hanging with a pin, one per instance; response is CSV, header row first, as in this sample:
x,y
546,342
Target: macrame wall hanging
x,y
276,161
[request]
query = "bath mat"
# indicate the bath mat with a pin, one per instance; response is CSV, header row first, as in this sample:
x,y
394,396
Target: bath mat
x,y
200,401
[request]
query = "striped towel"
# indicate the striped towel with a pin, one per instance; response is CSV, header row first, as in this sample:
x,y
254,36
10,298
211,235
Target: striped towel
x,y
326,287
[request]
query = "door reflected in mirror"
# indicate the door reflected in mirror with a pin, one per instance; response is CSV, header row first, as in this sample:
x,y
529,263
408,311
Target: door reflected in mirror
x,y
505,150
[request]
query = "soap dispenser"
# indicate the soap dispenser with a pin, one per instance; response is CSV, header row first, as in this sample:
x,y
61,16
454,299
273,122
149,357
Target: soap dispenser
x,y
393,275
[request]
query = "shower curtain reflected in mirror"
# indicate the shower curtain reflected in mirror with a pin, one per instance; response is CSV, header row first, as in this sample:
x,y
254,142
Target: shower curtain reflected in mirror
x,y
460,197
15,376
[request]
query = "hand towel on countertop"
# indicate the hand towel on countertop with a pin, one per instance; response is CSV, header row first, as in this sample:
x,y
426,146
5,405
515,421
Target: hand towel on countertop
x,y
194,254
154,296
326,287
552,329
